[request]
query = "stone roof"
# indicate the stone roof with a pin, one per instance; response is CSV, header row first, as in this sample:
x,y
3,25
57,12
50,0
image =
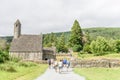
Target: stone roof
x,y
27,43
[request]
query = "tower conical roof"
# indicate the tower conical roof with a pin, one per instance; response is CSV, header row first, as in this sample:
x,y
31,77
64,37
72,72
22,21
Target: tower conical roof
x,y
17,22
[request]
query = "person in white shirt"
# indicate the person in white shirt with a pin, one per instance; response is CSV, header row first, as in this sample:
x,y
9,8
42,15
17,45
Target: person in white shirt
x,y
60,65
52,63
55,65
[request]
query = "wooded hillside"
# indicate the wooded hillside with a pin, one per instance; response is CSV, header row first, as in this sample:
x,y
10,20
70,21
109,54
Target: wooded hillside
x,y
108,33
93,33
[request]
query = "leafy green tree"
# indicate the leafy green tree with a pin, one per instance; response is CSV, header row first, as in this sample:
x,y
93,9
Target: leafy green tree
x,y
117,46
45,39
75,40
49,40
86,40
77,48
99,46
112,45
86,48
4,55
93,46
61,44
4,50
53,39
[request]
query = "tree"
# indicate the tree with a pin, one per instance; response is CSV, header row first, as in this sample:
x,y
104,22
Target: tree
x,y
75,40
61,44
53,39
99,46
45,39
49,40
4,55
112,45
86,48
86,40
117,46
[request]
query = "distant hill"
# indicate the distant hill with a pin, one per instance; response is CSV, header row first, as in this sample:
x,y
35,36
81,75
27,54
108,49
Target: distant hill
x,y
105,32
108,33
7,38
93,32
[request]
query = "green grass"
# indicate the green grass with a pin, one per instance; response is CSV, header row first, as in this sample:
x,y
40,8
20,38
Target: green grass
x,y
99,73
24,71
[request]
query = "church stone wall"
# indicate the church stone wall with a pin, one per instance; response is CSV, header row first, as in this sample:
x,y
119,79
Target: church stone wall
x,y
27,55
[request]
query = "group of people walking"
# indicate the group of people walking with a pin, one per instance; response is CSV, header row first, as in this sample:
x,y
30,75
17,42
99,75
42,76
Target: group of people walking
x,y
59,65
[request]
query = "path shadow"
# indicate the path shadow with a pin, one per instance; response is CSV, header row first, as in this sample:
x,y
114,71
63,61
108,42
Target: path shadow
x,y
64,72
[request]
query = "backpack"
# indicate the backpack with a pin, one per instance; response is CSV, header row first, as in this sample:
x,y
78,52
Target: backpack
x,y
64,61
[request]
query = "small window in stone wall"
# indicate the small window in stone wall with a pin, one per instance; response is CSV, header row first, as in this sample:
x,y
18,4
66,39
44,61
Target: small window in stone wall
x,y
16,25
46,58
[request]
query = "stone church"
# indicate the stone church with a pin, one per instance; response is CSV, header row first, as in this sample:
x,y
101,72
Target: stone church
x,y
29,47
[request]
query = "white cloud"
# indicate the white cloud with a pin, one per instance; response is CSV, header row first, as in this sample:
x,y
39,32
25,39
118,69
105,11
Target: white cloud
x,y
44,16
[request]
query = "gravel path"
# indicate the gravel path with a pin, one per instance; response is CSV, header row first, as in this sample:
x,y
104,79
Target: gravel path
x,y
50,74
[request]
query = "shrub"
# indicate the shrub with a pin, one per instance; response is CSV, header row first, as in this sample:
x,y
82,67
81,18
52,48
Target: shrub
x,y
48,45
14,59
2,67
27,64
63,49
77,48
10,69
23,64
117,46
81,54
6,67
4,56
31,64
86,48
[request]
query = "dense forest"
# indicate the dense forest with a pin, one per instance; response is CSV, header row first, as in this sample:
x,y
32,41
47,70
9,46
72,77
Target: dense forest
x,y
109,33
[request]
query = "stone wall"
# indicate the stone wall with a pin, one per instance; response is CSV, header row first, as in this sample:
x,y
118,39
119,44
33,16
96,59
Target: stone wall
x,y
49,53
27,55
106,63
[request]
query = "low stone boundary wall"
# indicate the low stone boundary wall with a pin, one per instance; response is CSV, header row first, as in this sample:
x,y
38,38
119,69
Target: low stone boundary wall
x,y
107,63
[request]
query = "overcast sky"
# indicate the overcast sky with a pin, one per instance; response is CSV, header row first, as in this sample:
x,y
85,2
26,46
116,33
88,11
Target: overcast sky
x,y
44,16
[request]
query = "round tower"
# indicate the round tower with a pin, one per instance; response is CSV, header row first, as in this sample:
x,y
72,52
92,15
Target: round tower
x,y
17,29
